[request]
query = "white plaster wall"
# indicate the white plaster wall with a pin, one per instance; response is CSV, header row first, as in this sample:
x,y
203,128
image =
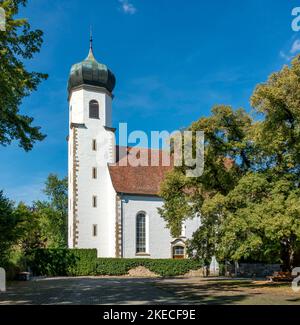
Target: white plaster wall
x,y
158,235
103,215
191,225
79,101
159,238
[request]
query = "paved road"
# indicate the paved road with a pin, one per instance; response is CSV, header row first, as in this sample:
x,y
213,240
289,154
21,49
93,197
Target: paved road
x,y
156,291
87,290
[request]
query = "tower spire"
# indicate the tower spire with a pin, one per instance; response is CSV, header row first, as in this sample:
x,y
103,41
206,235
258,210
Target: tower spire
x,y
91,54
91,38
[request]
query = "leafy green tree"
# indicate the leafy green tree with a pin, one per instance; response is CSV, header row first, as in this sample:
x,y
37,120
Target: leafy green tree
x,y
258,221
8,222
228,156
53,214
278,133
45,223
249,209
17,43
30,228
57,191
51,223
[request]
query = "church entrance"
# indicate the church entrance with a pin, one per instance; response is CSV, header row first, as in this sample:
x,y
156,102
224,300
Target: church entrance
x,y
178,252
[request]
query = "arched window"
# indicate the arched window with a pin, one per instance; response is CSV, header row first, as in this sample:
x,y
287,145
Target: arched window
x,y
94,109
141,233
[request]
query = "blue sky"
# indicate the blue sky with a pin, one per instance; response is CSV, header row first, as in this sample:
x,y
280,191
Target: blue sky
x,y
173,61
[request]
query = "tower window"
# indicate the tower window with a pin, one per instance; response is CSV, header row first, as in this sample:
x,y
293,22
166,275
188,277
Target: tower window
x,y
94,145
94,172
95,231
141,233
94,201
94,109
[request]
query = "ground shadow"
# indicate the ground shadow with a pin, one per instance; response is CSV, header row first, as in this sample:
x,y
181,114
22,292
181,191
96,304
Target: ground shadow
x,y
99,291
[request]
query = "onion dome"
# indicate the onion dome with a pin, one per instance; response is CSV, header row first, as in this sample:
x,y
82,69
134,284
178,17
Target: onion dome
x,y
91,72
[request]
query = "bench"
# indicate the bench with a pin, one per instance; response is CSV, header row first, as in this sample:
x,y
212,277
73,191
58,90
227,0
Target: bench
x,y
281,277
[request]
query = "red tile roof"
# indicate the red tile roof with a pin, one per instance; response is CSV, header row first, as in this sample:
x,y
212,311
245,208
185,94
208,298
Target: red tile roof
x,y
143,179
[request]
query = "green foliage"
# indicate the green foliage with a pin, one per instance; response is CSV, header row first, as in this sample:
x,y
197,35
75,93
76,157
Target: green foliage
x,y
163,267
57,191
16,43
278,135
261,221
30,228
228,154
51,262
8,232
176,207
24,228
53,214
84,262
250,208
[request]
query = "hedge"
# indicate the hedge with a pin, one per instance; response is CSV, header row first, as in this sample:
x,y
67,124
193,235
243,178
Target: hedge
x,y
84,262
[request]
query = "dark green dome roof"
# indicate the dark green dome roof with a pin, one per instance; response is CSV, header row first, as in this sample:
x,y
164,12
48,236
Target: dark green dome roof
x,y
91,72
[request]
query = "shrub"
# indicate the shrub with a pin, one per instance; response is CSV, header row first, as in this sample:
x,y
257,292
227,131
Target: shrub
x,y
50,262
84,262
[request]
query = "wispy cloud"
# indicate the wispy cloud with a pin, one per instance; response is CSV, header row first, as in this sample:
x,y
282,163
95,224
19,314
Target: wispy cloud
x,y
127,7
294,49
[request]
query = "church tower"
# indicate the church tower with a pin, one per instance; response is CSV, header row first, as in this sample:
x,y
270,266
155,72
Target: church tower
x,y
91,147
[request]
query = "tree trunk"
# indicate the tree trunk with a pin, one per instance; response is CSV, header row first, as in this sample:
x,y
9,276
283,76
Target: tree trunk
x,y
287,256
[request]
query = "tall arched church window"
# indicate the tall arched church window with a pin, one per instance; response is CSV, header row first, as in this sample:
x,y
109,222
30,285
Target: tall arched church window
x,y
141,233
94,109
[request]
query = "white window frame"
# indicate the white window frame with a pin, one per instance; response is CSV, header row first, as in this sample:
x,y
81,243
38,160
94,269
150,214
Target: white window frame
x,y
146,233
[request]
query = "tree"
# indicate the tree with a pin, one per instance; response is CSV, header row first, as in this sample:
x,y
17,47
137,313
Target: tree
x,y
228,156
57,191
44,225
30,228
16,43
278,134
258,221
8,223
53,214
249,210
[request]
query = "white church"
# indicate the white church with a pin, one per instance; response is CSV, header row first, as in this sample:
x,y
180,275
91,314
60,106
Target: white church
x,y
113,206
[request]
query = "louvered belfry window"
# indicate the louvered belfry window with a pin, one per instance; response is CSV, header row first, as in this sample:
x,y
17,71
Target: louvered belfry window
x,y
94,109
